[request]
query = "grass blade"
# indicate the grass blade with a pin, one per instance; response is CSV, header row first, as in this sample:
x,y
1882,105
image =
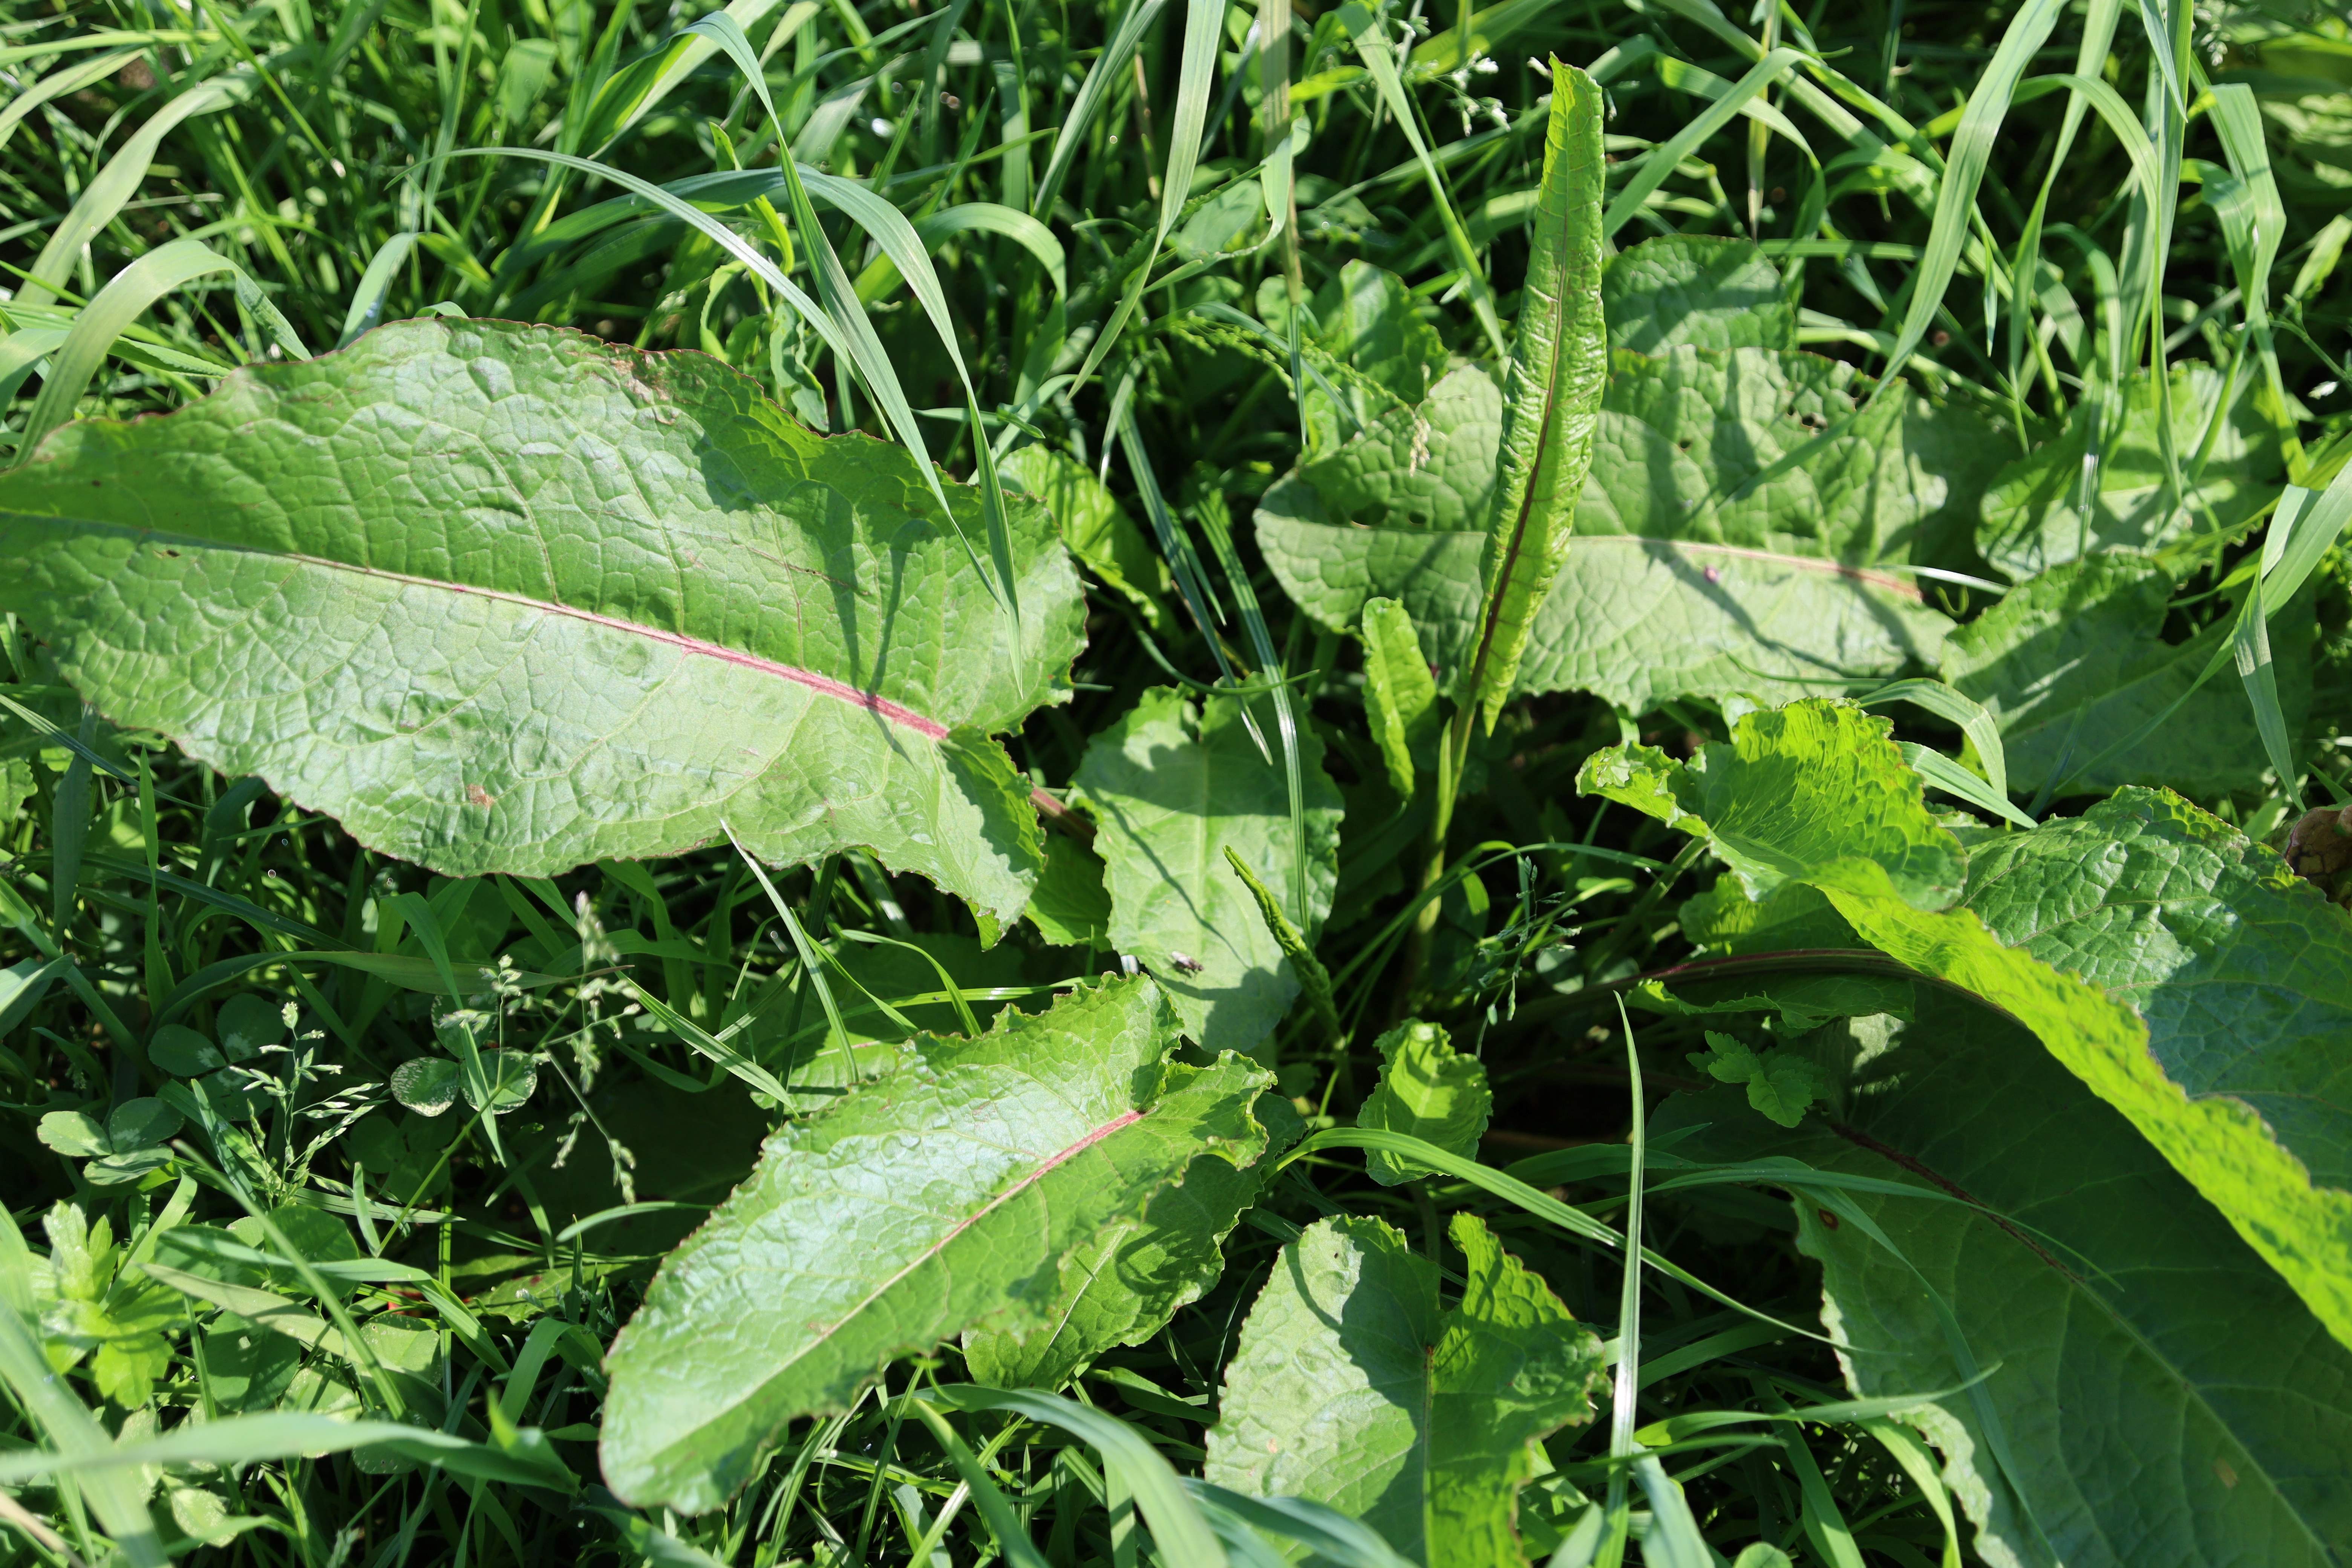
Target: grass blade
x,y
1661,160
1372,47
1203,25
1622,1415
125,297
890,229
996,1508
74,1435
367,300
99,204
1955,196
1089,102
1177,1527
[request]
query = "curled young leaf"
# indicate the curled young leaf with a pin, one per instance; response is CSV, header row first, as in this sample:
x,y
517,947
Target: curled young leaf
x,y
1428,1090
1560,363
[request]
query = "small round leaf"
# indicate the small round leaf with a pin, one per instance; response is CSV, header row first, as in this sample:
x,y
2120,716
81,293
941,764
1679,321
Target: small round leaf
x,y
250,1024
73,1132
118,1170
427,1085
508,1077
140,1124
183,1053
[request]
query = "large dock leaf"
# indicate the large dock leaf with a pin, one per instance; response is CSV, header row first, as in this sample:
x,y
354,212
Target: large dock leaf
x,y
954,1195
507,598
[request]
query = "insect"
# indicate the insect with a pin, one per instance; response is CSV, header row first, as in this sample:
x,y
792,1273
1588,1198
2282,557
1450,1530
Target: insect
x,y
1185,961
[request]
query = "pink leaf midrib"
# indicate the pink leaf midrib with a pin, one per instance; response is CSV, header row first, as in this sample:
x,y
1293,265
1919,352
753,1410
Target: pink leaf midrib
x,y
824,685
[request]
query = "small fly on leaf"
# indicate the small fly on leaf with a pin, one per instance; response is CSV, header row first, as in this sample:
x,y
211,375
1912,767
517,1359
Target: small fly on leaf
x,y
1185,961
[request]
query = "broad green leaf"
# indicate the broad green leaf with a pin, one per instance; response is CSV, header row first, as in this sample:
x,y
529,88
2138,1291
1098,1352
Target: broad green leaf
x,y
1070,905
1098,533
1172,786
136,1123
1723,920
508,1079
247,1366
1122,1286
1221,223
1559,363
1725,543
1400,695
2034,518
640,599
2072,661
1695,288
248,1024
1798,794
2160,1395
1416,474
2241,974
2176,968
1781,1084
183,1053
1428,1091
1353,1388
957,1195
1367,318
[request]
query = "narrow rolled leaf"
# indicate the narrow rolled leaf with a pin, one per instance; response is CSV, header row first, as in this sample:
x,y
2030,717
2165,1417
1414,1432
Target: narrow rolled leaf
x,y
506,598
1172,786
954,1195
1429,1090
1741,531
1560,363
1350,1387
1313,978
1400,696
2160,1394
1699,290
2176,967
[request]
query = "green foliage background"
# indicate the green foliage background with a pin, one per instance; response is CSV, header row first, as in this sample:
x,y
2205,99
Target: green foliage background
x,y
409,1233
